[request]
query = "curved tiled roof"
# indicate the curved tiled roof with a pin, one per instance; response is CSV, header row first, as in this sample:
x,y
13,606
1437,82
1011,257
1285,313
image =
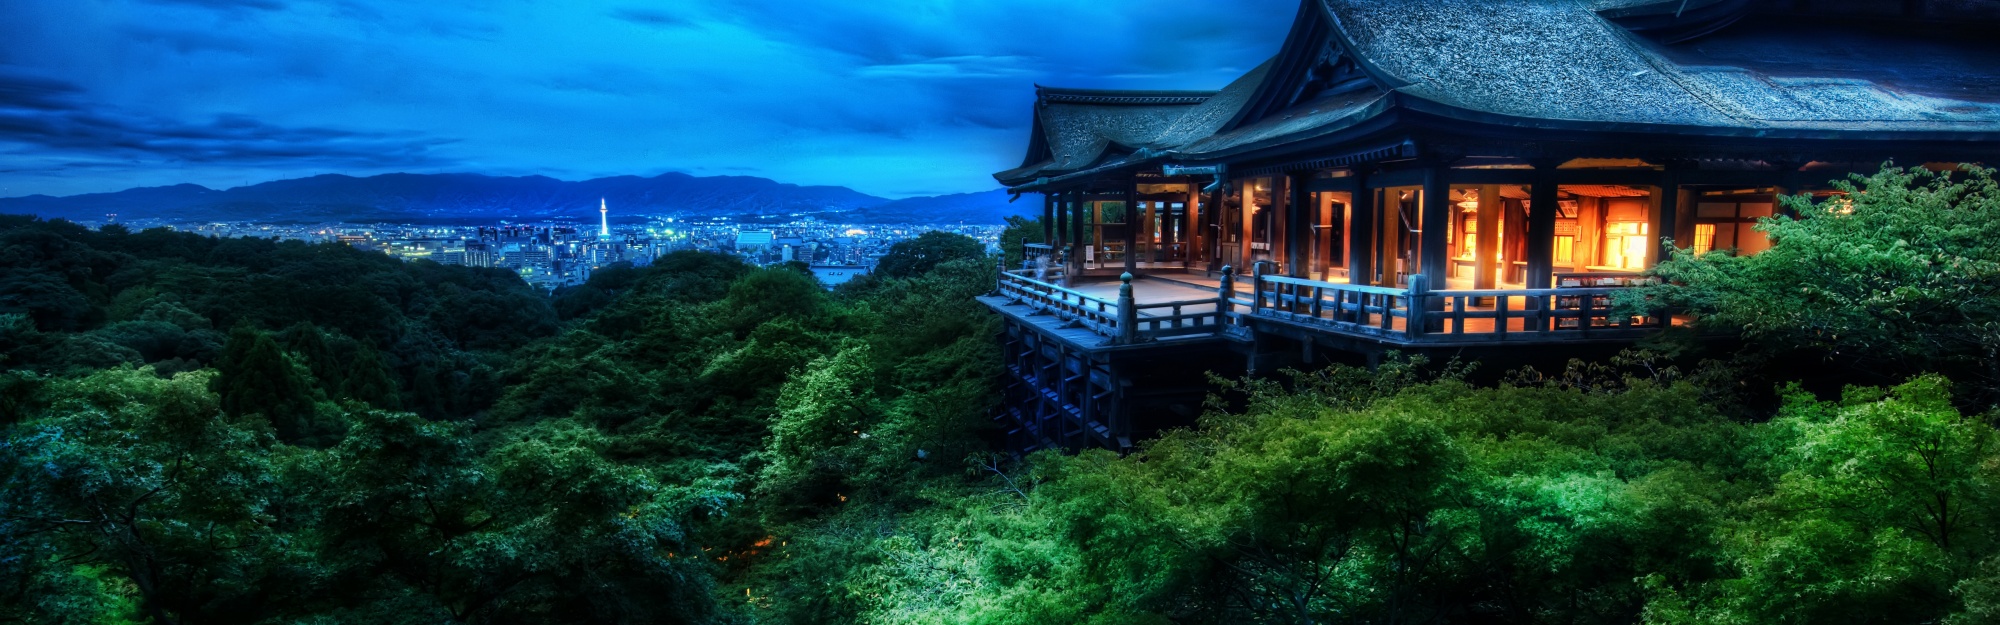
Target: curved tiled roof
x,y
1561,60
1081,126
1558,64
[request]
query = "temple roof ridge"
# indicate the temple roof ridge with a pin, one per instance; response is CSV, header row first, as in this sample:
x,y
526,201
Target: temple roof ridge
x,y
1067,95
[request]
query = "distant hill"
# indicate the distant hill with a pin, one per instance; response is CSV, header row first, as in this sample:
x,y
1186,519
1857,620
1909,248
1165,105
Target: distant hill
x,y
474,198
984,207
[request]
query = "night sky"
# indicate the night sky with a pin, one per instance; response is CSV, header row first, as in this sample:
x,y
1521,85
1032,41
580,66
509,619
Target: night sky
x,y
890,97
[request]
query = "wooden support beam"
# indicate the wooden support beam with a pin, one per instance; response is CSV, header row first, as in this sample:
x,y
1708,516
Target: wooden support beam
x,y
1326,215
1626,177
1059,235
1077,210
1245,198
1132,224
1212,231
1542,227
1589,233
1514,235
1399,178
1389,253
1664,215
1301,213
1433,251
1360,232
1191,223
1049,219
1486,242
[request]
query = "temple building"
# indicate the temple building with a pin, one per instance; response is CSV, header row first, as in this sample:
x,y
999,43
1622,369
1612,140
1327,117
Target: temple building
x,y
1449,176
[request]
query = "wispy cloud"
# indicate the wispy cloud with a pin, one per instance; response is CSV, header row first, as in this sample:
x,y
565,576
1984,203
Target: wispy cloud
x,y
653,17
54,117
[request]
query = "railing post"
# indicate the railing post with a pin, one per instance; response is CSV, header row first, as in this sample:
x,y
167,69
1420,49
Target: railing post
x,y
1227,294
1062,257
1256,288
1128,312
1417,319
1000,279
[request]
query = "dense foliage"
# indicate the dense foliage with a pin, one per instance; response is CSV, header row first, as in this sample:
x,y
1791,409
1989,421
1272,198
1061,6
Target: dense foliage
x,y
183,448
203,430
1895,274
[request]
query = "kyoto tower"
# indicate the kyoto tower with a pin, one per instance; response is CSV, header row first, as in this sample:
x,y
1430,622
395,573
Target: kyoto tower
x,y
603,220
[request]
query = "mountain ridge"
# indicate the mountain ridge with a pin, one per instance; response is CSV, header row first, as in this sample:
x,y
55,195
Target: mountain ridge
x,y
481,198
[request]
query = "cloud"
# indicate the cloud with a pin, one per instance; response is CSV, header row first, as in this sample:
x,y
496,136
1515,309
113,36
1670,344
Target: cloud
x,y
187,41
226,5
971,66
30,93
53,117
653,17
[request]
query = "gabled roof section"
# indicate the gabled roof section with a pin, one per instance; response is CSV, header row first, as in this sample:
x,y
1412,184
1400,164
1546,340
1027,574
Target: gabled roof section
x,y
1567,61
1078,128
1312,64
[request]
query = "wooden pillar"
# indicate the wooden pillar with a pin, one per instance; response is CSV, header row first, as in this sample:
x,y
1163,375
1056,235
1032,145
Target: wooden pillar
x,y
1049,219
1666,203
1191,226
1059,233
1542,227
1327,215
1132,225
1433,255
1390,243
1589,232
1486,242
1244,198
1360,230
1303,213
1212,231
1513,247
1684,216
1076,216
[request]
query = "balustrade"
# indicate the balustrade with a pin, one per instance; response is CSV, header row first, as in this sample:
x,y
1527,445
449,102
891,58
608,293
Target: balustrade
x,y
1412,315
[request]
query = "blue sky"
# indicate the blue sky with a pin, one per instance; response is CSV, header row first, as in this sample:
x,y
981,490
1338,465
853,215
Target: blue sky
x,y
890,97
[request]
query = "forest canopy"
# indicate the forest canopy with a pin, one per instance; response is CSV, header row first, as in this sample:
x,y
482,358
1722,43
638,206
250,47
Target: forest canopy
x,y
203,430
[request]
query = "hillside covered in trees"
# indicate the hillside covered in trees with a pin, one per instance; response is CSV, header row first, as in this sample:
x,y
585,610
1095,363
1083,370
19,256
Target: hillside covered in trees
x,y
245,431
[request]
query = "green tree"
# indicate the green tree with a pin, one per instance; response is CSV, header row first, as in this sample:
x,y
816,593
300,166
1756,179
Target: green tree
x,y
1881,505
254,376
1897,273
133,490
369,380
542,529
1019,232
917,256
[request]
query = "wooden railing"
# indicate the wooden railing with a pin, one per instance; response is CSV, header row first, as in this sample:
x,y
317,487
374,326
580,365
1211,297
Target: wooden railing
x,y
1098,314
1035,253
1125,321
1351,308
1184,318
1532,315
1410,315
1419,315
